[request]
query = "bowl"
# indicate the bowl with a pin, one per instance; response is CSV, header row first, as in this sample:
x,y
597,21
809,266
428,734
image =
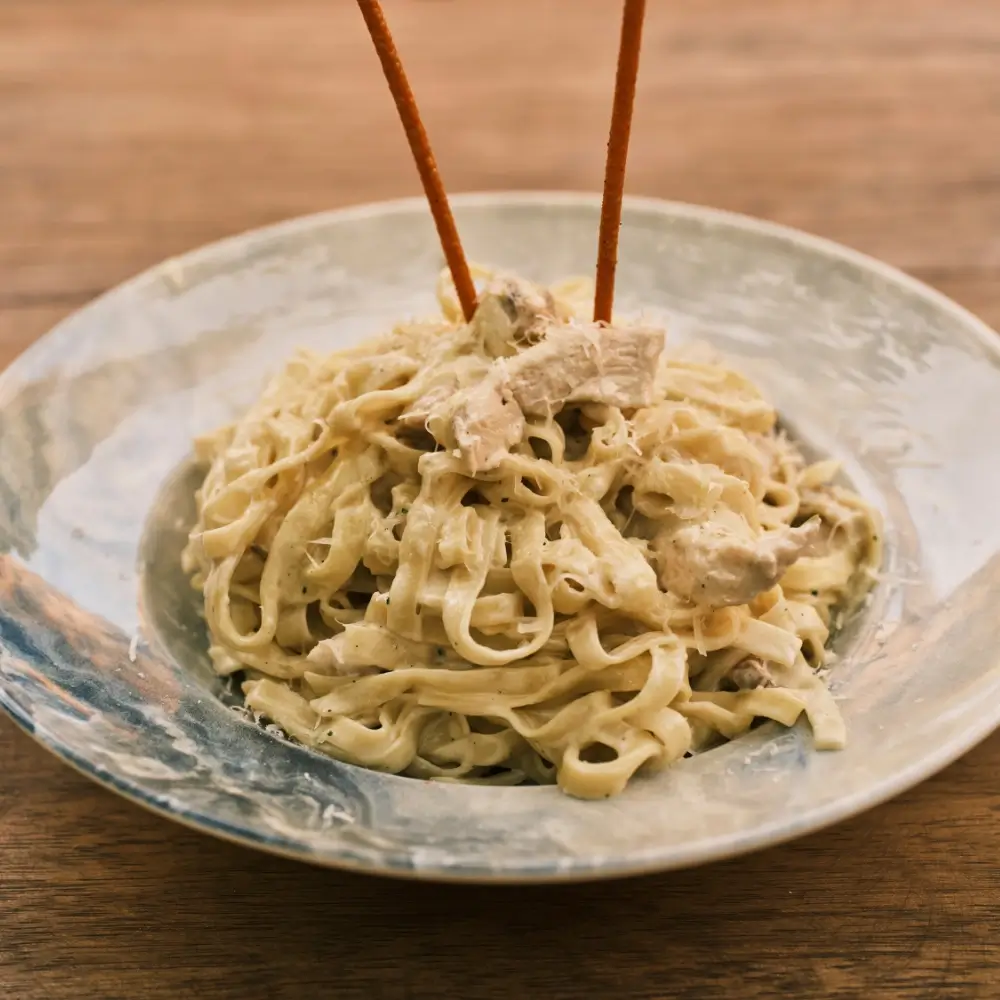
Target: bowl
x,y
103,656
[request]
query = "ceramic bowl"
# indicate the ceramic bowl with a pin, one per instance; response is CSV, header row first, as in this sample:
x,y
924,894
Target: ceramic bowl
x,y
103,656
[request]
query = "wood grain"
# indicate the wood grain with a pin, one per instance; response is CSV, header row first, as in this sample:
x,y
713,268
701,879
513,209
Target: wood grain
x,y
130,131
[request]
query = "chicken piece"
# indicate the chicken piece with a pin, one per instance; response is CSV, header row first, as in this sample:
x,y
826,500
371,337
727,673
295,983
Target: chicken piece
x,y
710,563
572,364
484,423
512,314
416,415
592,363
445,382
747,675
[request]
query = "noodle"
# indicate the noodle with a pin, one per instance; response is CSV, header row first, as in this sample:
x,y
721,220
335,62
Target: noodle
x,y
523,548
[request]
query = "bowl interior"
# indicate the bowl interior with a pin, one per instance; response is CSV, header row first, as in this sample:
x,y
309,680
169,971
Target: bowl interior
x,y
103,656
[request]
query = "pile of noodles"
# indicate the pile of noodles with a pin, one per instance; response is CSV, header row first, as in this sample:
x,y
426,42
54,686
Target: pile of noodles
x,y
389,605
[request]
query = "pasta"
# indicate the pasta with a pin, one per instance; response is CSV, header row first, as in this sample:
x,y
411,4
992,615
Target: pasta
x,y
523,549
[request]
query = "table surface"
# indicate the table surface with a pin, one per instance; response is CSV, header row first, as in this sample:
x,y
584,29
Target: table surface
x,y
130,131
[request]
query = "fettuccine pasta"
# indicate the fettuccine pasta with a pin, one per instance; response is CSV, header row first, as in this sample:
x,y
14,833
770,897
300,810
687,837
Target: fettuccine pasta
x,y
523,549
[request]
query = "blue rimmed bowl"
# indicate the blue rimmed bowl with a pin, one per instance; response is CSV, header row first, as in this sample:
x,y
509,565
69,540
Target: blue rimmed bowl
x,y
103,656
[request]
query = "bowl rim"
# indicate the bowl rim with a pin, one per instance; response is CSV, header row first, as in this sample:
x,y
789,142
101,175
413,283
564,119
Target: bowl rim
x,y
529,197
727,846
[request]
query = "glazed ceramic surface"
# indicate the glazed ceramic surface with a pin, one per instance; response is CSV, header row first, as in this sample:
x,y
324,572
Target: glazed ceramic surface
x,y
103,655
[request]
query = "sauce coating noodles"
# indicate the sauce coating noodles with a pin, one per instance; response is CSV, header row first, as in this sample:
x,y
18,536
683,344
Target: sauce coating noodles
x,y
524,548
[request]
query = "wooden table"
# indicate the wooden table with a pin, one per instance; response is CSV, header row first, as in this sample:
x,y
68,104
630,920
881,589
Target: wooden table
x,y
135,129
